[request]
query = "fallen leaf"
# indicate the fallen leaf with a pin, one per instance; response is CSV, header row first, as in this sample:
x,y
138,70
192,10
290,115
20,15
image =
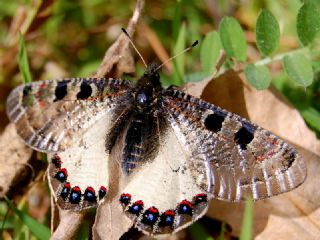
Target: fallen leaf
x,y
14,159
111,222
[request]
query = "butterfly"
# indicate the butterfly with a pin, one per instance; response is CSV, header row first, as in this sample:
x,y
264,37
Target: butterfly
x,y
163,153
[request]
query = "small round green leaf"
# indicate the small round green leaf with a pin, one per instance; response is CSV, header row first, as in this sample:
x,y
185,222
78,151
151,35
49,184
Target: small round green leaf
x,y
308,22
210,50
299,69
233,39
267,32
258,76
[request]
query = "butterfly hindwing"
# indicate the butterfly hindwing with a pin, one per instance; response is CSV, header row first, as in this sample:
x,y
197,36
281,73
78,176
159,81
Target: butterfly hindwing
x,y
240,158
49,114
161,196
79,176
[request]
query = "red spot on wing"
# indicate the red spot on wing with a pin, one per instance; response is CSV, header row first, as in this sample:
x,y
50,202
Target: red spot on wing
x,y
139,202
91,189
76,189
186,202
169,212
153,210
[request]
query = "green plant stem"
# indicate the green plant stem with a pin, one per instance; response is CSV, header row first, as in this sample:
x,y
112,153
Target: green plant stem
x,y
279,57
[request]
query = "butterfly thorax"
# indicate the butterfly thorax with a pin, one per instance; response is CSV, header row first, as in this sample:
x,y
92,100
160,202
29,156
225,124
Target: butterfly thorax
x,y
147,90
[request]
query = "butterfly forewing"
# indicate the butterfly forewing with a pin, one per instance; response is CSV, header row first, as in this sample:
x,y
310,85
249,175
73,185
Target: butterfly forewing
x,y
241,158
49,114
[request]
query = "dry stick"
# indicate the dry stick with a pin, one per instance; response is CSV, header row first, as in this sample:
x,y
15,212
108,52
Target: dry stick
x,y
69,220
121,45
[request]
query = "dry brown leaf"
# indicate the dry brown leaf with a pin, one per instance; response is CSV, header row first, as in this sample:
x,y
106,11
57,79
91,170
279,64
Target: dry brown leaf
x,y
118,55
69,223
14,158
111,222
297,212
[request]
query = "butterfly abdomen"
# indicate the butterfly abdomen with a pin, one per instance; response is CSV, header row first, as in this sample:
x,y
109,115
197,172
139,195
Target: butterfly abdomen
x,y
141,141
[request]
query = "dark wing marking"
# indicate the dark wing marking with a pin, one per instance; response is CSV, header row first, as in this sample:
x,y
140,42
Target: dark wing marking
x,y
48,114
242,159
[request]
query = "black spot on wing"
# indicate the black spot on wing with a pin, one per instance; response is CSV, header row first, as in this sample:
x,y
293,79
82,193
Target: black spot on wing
x,y
61,90
85,91
213,122
245,135
27,90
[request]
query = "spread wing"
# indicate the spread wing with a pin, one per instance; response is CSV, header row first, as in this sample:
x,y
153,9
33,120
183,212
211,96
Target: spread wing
x,y
49,115
240,158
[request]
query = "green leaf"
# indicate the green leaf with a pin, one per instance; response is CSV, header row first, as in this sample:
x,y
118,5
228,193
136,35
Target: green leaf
x,y
246,228
299,69
233,39
38,230
258,76
312,117
179,61
267,32
23,61
308,22
210,51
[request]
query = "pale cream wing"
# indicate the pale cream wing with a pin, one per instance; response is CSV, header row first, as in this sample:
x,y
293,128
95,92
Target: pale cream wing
x,y
79,176
240,158
162,196
48,115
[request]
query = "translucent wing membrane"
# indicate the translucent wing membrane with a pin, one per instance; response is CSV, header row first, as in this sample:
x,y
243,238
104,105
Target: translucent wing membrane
x,y
49,114
239,158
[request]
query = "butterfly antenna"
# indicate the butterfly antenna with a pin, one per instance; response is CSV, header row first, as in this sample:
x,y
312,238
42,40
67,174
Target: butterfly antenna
x,y
184,51
127,34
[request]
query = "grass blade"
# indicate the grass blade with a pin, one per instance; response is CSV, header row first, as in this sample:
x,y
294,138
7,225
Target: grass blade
x,y
23,61
246,229
38,230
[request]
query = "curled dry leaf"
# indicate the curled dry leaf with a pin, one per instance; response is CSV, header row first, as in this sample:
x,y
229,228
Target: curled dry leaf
x,y
14,159
294,215
118,56
69,223
110,222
